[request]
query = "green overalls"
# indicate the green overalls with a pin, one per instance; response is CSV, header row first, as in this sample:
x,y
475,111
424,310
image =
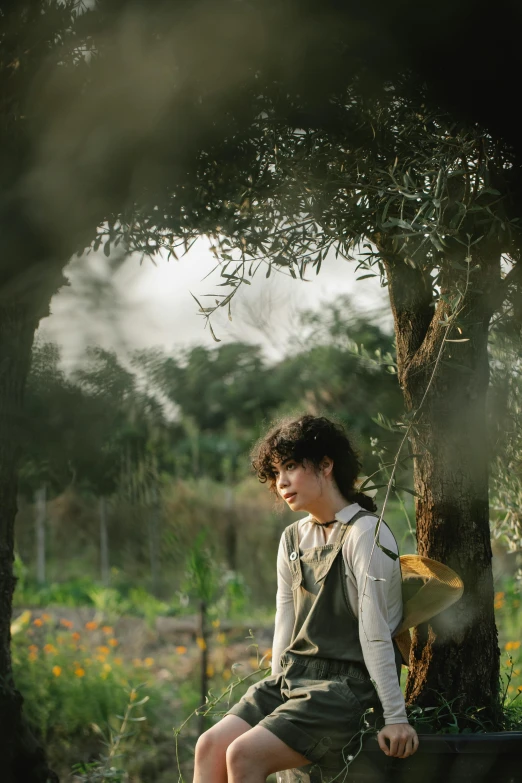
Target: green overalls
x,y
316,704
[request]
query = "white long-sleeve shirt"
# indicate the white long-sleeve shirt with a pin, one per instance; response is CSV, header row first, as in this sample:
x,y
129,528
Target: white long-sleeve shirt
x,y
377,603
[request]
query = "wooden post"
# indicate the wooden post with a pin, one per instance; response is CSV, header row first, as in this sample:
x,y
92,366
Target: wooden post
x,y
40,499
203,645
104,544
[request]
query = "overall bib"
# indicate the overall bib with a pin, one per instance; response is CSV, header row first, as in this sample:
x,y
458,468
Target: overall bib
x,y
317,703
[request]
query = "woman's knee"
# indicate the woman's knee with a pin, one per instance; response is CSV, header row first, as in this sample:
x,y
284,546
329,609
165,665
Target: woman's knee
x,y
210,744
238,756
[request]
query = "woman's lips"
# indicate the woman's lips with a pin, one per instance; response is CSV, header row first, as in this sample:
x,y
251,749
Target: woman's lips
x,y
289,498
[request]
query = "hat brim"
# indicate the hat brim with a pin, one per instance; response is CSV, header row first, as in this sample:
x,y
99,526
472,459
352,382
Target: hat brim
x,y
441,588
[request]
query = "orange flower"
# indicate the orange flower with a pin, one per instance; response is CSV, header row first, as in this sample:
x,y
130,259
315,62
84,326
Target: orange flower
x,y
103,650
108,630
181,649
33,656
79,672
66,623
118,661
46,617
113,642
91,625
38,622
57,670
137,662
50,648
512,645
101,658
33,648
76,636
148,662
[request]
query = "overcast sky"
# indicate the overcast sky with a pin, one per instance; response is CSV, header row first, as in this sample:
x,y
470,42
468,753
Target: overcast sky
x,y
141,306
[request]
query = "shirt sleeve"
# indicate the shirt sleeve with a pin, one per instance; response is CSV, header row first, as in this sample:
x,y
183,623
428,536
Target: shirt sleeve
x,y
285,613
374,577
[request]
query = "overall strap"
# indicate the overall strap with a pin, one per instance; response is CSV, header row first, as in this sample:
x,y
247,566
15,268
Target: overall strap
x,y
292,554
341,538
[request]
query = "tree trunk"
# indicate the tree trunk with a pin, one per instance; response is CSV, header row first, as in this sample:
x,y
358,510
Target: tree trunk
x,y
40,502
22,760
104,544
457,654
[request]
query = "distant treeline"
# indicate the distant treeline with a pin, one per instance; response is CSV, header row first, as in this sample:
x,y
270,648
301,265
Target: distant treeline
x,y
124,462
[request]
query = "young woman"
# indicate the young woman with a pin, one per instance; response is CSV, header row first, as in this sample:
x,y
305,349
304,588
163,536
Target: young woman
x,y
338,604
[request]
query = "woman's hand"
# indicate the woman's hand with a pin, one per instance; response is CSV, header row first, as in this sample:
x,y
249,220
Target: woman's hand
x,y
402,738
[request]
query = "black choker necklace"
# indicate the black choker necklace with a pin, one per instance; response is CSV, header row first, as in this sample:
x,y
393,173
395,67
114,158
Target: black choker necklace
x,y
326,524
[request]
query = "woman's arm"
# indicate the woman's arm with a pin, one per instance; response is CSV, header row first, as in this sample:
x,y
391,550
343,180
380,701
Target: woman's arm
x,y
374,630
285,614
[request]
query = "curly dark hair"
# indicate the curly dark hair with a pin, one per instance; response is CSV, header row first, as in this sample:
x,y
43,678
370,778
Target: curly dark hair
x,y
310,438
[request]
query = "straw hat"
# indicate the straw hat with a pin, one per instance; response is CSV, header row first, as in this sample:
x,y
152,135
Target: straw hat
x,y
428,587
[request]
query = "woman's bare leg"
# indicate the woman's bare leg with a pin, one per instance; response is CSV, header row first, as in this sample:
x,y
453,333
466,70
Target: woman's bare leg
x,y
211,748
256,754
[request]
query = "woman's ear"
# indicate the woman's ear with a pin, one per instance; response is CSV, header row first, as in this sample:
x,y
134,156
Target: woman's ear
x,y
326,466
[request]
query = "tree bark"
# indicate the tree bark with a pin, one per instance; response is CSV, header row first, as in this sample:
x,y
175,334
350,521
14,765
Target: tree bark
x,y
457,654
23,761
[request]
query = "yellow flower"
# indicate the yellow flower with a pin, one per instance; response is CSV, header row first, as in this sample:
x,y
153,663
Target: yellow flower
x,y
38,622
516,672
50,648
216,623
137,662
210,670
113,642
79,672
103,650
101,658
519,689
221,638
227,674
133,695
181,649
268,652
512,645
107,667
57,670
510,689
107,630
148,662
254,663
33,656
201,643
91,625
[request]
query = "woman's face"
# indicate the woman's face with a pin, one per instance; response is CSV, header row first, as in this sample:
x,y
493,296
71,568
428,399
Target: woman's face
x,y
298,484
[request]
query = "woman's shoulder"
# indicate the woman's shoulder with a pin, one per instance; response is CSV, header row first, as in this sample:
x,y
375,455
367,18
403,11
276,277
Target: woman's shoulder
x,y
365,526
